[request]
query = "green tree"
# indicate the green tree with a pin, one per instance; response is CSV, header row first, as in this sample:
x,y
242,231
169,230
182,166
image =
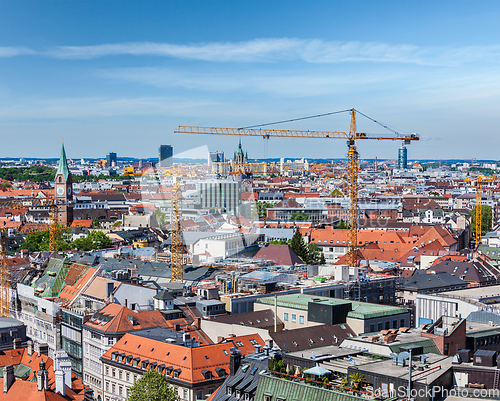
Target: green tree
x,y
39,241
342,225
152,386
95,240
97,223
322,260
301,216
260,209
161,218
486,219
314,254
279,242
299,246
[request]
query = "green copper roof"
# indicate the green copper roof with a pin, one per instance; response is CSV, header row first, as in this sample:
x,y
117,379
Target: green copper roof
x,y
360,310
63,164
288,390
429,346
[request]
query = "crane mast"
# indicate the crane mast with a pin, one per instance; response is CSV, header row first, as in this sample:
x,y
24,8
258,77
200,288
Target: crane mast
x,y
4,274
478,183
176,233
352,161
352,195
4,243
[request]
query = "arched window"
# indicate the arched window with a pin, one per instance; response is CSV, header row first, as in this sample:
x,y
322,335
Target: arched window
x,y
60,179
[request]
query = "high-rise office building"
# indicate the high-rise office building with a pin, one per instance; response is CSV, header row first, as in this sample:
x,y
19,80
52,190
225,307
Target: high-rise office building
x,y
402,158
220,194
215,157
165,156
111,158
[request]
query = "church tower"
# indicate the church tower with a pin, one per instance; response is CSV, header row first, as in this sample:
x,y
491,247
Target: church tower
x,y
63,191
239,156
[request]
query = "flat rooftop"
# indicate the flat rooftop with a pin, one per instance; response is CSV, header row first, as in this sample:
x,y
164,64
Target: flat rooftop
x,y
487,294
360,310
412,338
426,376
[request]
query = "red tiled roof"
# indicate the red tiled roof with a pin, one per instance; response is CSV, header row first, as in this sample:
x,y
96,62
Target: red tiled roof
x,y
281,254
122,319
190,361
82,223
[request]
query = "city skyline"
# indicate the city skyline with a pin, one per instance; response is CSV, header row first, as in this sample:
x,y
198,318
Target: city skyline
x,y
120,77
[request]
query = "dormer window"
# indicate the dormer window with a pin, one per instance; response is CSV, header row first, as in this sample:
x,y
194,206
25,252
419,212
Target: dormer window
x,y
238,394
145,364
177,372
229,391
207,374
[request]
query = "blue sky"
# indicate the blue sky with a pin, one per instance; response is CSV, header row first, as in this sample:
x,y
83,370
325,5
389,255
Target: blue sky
x,y
122,75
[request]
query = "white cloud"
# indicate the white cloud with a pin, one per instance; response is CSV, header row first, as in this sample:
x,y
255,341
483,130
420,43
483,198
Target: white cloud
x,y
292,84
276,49
15,51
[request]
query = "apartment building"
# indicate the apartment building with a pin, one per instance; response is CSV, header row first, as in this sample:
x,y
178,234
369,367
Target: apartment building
x,y
193,370
103,330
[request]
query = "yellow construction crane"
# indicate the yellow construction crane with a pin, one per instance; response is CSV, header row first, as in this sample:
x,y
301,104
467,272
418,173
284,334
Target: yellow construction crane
x,y
352,160
4,274
478,183
4,242
257,168
177,247
176,236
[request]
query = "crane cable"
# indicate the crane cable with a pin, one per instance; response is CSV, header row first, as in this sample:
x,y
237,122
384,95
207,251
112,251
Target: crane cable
x,y
394,131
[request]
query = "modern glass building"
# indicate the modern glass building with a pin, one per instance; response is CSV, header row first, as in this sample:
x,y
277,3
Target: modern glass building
x,y
111,158
220,194
402,158
165,156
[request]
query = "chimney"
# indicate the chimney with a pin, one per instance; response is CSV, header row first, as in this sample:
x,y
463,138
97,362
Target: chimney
x,y
30,348
220,339
17,343
8,377
60,385
177,327
257,348
198,323
42,377
126,303
109,289
234,360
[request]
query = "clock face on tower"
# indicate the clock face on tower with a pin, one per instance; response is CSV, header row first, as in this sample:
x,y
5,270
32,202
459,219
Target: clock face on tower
x,y
60,191
69,190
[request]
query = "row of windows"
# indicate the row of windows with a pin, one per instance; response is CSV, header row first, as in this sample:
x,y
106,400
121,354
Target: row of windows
x,y
387,325
294,318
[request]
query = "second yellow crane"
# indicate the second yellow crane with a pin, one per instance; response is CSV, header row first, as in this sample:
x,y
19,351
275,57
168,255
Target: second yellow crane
x,y
478,183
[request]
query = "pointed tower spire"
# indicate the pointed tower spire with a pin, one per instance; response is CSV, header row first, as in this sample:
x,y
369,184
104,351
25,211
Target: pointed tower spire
x,y
63,164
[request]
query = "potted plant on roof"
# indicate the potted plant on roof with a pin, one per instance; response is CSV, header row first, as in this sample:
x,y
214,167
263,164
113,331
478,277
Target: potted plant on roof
x,y
356,379
343,383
